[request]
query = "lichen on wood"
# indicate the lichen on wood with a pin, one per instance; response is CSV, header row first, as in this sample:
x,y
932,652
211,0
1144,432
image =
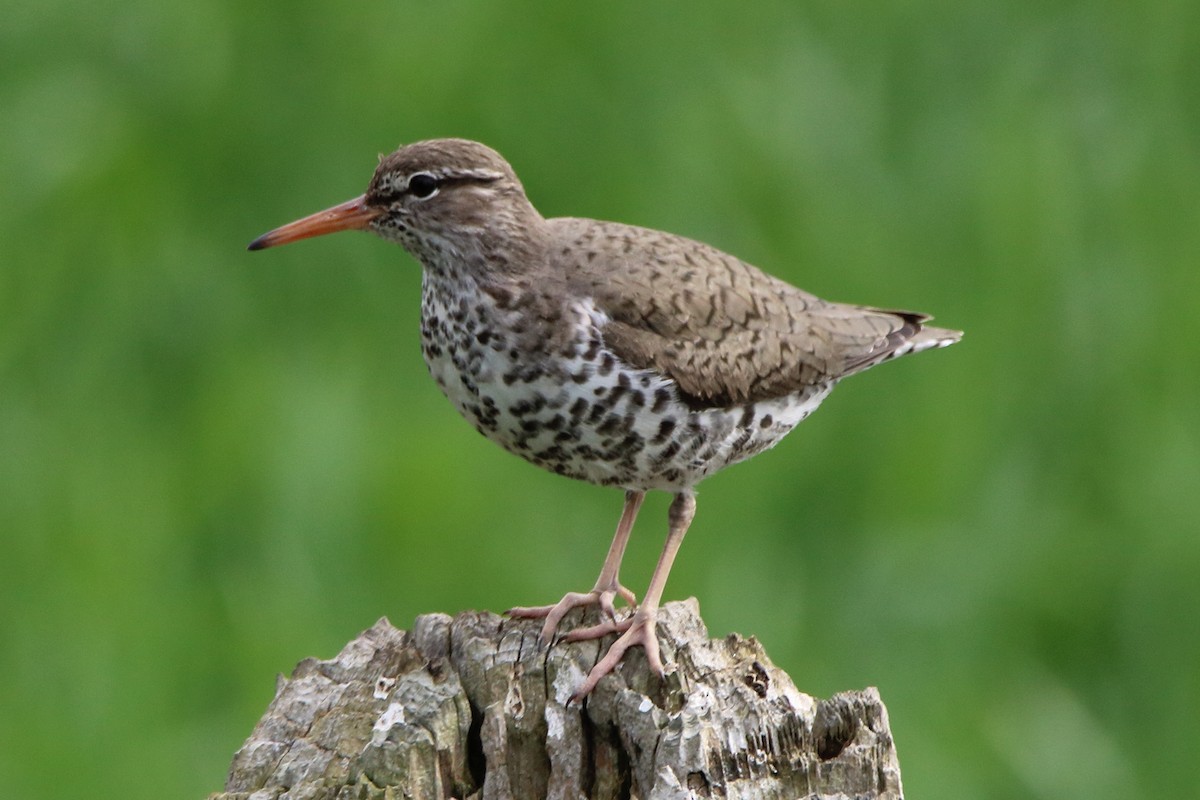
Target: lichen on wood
x,y
469,707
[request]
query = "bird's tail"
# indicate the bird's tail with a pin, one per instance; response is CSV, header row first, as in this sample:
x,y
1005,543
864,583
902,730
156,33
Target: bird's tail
x,y
929,337
912,337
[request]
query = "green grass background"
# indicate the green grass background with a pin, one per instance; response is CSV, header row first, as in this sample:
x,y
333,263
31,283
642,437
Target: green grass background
x,y
215,463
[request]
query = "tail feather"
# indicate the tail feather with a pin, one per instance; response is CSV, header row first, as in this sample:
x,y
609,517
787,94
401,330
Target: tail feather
x,y
911,337
929,337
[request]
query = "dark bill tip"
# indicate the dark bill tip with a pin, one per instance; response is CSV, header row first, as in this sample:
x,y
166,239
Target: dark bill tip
x,y
261,243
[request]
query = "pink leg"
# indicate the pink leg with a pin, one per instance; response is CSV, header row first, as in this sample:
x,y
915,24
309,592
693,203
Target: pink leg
x,y
607,586
639,629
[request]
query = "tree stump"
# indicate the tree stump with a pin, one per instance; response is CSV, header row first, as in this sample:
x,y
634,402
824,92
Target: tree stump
x,y
468,707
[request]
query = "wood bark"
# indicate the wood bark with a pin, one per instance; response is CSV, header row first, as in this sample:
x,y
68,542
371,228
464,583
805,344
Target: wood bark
x,y
468,707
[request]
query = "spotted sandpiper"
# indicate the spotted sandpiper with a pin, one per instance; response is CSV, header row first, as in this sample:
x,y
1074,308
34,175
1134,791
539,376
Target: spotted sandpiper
x,y
613,354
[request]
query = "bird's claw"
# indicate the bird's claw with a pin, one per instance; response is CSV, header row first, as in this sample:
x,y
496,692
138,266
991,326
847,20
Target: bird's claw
x,y
597,631
637,630
553,614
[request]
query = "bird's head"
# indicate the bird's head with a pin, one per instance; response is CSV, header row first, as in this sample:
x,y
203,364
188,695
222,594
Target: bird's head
x,y
448,195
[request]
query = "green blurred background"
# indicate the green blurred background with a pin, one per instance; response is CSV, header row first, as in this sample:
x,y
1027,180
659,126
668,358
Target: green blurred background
x,y
215,463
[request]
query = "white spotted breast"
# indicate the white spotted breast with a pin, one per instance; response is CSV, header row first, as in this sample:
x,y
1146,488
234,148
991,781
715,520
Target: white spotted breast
x,y
573,407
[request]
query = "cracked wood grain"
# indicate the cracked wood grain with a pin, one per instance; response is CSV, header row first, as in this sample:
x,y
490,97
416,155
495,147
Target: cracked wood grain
x,y
467,707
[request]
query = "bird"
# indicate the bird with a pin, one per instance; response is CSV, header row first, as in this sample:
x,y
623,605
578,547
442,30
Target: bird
x,y
609,353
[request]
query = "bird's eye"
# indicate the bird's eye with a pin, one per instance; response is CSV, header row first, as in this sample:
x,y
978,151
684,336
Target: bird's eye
x,y
422,185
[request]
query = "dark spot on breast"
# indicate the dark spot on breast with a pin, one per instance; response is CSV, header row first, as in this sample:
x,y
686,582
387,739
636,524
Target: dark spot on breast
x,y
554,453
661,398
631,444
665,428
667,453
766,421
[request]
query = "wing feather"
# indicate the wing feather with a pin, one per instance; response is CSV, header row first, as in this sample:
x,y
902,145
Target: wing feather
x,y
725,331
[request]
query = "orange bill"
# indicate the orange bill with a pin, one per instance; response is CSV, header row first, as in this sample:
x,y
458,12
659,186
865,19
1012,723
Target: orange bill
x,y
352,215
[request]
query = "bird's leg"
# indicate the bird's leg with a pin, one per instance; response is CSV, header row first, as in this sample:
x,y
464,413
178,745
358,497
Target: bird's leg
x,y
640,628
607,586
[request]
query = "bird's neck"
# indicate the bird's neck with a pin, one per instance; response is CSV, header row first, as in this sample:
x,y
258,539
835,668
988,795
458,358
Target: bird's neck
x,y
487,253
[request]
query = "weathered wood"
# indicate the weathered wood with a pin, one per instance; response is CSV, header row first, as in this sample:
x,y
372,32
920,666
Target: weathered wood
x,y
468,707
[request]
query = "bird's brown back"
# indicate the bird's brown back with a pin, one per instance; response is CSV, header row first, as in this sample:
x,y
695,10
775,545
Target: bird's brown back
x,y
724,330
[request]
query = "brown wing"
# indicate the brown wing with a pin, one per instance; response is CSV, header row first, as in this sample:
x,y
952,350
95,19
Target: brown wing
x,y
725,331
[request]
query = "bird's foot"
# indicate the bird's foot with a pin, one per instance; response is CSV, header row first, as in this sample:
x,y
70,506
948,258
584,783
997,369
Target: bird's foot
x,y
604,598
638,630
